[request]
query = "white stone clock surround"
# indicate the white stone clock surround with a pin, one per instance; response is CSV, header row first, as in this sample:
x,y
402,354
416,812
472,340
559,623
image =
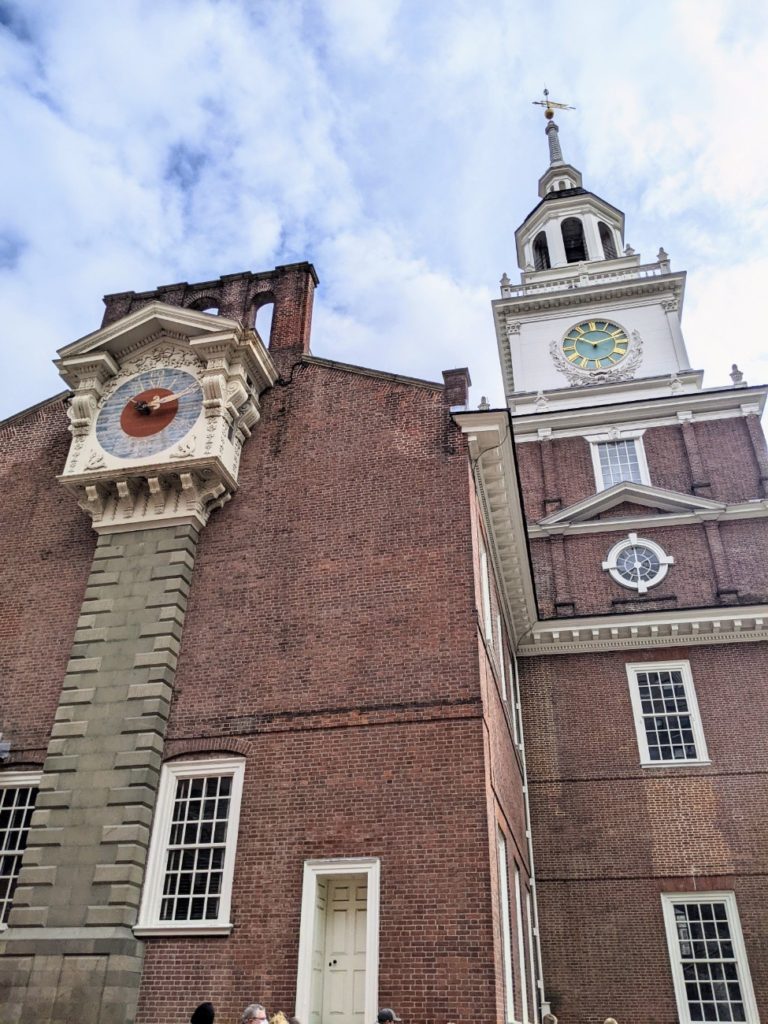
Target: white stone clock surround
x,y
197,471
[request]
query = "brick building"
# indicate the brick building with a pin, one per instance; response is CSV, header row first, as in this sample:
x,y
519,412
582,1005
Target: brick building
x,y
306,665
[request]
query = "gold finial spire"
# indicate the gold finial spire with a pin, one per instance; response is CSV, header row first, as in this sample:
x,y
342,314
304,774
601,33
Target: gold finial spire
x,y
550,106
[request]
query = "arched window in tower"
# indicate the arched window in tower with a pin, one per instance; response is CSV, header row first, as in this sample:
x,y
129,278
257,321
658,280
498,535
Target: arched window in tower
x,y
606,237
573,240
541,252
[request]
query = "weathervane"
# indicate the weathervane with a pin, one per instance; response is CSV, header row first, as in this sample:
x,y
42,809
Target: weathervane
x,y
550,105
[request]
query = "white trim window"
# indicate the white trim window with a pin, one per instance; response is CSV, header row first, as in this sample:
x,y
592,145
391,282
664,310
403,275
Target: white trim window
x,y
708,958
506,928
18,792
188,885
521,945
667,719
485,596
617,459
502,658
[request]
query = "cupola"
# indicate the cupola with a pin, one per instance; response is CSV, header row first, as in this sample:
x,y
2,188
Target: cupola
x,y
570,224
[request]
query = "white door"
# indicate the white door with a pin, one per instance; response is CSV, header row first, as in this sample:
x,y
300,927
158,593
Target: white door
x,y
318,953
343,997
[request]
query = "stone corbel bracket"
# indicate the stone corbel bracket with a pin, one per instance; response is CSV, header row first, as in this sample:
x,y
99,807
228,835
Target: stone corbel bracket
x,y
146,498
87,375
237,370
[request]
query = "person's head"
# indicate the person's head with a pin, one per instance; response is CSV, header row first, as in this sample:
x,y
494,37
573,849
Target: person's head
x,y
204,1014
386,1016
254,1012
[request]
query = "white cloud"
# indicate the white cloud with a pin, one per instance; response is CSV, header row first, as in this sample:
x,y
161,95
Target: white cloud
x,y
394,144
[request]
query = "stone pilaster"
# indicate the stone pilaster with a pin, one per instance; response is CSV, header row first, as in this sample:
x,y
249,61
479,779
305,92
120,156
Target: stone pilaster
x,y
564,604
69,953
699,484
759,448
552,499
726,592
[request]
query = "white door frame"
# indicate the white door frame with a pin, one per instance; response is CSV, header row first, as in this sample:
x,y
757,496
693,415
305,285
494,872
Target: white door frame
x,y
370,867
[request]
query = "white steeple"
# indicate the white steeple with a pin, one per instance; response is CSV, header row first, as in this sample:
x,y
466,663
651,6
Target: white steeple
x,y
589,323
570,224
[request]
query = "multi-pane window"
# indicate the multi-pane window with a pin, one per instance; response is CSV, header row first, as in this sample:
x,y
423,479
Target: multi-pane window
x,y
532,956
506,927
194,866
521,944
667,718
709,962
17,802
191,859
619,461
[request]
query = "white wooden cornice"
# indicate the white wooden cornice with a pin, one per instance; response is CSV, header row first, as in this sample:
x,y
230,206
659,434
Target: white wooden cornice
x,y
731,624
630,412
639,494
757,509
492,456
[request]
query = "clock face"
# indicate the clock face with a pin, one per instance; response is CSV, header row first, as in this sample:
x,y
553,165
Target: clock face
x,y
149,413
595,345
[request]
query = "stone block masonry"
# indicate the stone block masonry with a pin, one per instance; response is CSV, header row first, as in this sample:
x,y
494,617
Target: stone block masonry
x,y
69,953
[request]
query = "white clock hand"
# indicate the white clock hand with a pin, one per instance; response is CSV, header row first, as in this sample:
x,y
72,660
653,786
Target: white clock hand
x,y
173,397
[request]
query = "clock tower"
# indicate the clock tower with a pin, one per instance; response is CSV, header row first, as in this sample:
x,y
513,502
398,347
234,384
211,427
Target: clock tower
x,y
626,528
588,311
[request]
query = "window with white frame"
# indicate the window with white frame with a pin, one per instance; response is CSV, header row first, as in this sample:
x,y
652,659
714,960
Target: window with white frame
x,y
532,956
18,792
502,657
618,459
521,943
506,928
188,885
666,711
709,961
485,596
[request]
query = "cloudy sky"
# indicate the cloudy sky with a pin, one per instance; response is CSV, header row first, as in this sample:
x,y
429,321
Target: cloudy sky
x,y
393,143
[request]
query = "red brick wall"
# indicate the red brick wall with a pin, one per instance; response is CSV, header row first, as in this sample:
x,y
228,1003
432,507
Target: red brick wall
x,y
332,624
689,583
46,546
409,792
729,459
610,836
724,446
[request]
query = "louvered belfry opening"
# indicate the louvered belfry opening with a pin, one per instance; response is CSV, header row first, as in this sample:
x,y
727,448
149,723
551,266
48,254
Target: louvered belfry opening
x,y
573,240
541,252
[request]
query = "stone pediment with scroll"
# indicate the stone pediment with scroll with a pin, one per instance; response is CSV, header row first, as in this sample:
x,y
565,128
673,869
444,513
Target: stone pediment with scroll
x,y
627,500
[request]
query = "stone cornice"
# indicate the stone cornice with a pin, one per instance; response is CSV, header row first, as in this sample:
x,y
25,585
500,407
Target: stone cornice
x,y
145,497
545,300
732,624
